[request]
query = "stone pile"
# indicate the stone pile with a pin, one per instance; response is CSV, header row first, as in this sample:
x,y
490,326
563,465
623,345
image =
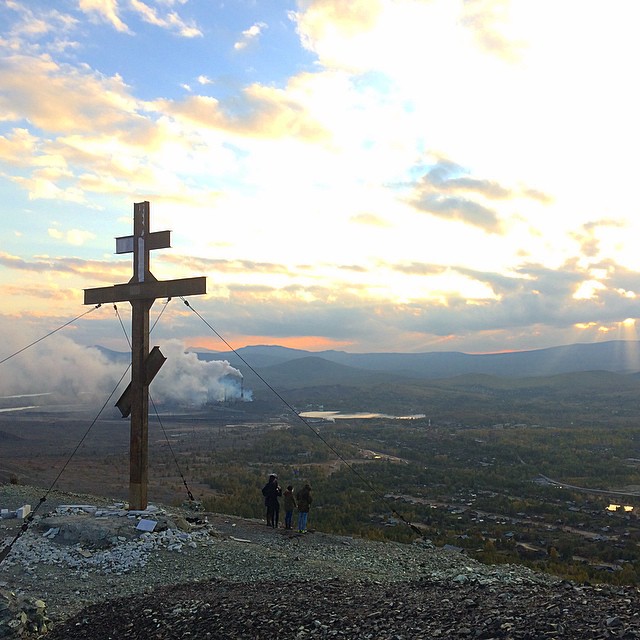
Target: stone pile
x,y
21,513
21,617
87,540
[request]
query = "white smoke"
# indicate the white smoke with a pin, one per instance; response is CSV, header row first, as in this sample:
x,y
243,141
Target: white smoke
x,y
60,371
185,379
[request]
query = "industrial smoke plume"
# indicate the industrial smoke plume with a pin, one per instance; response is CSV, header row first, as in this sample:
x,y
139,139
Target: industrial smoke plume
x,y
185,379
63,371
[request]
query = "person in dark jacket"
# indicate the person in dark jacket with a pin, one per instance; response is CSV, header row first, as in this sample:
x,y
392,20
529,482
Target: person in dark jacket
x,y
304,502
271,492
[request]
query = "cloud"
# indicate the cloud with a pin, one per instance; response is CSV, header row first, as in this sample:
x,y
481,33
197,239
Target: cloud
x,y
110,11
419,268
75,237
592,234
100,139
59,98
460,209
620,279
535,194
370,219
533,302
250,35
200,265
31,28
489,21
447,190
260,112
107,11
18,148
88,135
171,20
88,269
339,32
526,309
449,177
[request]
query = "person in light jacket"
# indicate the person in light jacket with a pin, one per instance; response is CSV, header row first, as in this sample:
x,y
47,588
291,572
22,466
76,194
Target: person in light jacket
x,y
304,502
289,505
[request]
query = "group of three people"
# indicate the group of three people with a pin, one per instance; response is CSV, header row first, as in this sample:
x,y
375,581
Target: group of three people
x,y
272,491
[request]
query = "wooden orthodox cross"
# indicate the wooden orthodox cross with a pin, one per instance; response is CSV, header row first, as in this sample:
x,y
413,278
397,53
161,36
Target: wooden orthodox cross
x,y
141,291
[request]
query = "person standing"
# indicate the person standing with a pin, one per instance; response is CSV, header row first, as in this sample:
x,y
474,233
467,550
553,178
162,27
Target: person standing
x,y
271,492
289,505
304,502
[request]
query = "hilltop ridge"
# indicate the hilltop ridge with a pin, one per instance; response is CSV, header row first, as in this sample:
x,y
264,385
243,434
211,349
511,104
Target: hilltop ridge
x,y
231,577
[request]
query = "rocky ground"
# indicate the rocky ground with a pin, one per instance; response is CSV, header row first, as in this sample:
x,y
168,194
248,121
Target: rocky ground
x,y
85,568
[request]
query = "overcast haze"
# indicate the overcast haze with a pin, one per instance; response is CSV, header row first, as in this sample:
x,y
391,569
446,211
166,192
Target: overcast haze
x,y
371,175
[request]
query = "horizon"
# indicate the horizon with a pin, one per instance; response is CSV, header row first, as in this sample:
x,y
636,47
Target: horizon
x,y
469,353
61,371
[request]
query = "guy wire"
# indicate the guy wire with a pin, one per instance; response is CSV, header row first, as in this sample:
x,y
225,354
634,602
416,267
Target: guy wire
x,y
7,549
50,333
5,552
155,409
175,458
365,480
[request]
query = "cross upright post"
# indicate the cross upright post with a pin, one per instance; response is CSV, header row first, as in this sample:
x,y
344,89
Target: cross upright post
x,y
139,436
141,291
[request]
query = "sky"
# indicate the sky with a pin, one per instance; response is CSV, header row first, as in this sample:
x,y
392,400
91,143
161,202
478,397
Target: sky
x,y
367,176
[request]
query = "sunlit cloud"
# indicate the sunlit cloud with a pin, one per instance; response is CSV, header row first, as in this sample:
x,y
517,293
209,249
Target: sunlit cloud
x,y
370,219
588,289
74,237
110,11
170,20
264,112
106,10
489,22
18,147
327,26
90,269
249,36
61,99
32,27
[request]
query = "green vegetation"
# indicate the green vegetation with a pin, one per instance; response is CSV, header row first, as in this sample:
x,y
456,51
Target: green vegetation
x,y
509,470
477,488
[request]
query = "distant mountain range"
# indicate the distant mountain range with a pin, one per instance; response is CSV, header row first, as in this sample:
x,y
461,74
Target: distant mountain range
x,y
579,383
286,368
614,356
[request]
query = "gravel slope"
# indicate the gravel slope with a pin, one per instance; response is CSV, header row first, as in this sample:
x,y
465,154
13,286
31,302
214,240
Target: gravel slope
x,y
100,577
359,609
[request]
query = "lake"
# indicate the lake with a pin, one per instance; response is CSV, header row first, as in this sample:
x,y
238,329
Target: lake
x,y
332,416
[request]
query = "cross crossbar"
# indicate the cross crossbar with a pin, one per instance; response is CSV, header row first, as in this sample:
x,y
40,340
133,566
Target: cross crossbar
x,y
147,290
155,240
